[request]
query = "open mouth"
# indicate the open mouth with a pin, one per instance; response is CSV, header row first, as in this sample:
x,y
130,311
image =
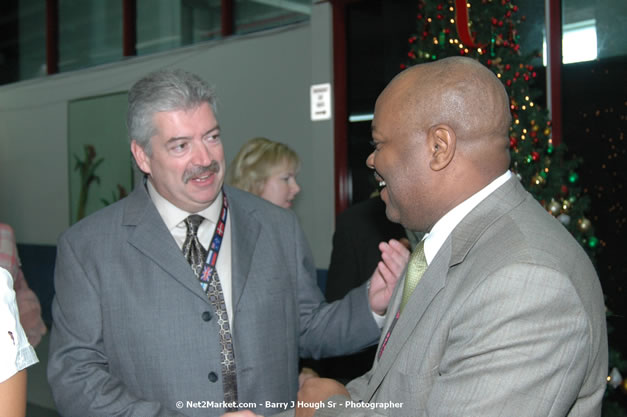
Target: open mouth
x,y
380,181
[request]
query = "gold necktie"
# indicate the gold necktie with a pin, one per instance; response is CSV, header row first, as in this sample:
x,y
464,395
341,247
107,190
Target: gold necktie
x,y
416,267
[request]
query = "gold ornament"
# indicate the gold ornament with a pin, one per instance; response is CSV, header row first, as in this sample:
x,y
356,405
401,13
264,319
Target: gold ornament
x,y
554,207
584,224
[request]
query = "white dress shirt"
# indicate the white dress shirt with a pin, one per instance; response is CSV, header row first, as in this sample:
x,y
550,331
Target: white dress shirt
x,y
444,227
174,220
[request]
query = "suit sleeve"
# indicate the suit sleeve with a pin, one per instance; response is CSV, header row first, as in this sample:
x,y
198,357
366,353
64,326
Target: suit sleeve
x,y
329,329
78,369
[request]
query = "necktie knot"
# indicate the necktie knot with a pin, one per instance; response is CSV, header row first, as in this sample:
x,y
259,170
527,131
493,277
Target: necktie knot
x,y
193,223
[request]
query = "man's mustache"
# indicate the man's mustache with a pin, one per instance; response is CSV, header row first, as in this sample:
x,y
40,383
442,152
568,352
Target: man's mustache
x,y
199,170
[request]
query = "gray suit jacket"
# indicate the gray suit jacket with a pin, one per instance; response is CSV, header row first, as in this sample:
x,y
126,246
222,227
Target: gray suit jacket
x,y
130,334
508,320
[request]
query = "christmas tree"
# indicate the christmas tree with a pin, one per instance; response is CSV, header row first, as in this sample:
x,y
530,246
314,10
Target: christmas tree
x,y
487,30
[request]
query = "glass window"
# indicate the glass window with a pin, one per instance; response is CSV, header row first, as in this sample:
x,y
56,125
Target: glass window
x,y
254,15
23,45
167,24
593,25
592,30
90,33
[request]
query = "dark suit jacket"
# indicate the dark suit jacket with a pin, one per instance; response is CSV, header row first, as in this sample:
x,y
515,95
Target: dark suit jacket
x,y
358,232
131,336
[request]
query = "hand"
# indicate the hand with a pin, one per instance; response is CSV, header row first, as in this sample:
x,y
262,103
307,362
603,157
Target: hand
x,y
394,258
305,374
315,390
241,413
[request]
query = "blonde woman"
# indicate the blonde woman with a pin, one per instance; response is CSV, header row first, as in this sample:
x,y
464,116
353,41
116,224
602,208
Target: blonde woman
x,y
267,169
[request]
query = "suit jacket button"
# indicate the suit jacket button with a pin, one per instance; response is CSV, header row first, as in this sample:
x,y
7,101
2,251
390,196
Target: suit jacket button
x,y
213,377
206,316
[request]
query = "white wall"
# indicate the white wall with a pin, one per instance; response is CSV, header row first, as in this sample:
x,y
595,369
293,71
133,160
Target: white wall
x,y
262,81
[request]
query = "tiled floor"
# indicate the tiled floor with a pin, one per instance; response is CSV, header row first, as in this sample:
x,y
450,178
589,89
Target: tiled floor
x,y
40,403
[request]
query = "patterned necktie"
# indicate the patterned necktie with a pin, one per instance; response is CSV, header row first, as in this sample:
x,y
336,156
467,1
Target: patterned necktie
x,y
192,249
416,267
204,265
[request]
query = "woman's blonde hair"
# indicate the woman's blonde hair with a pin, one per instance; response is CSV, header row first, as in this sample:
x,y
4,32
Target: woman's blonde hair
x,y
255,162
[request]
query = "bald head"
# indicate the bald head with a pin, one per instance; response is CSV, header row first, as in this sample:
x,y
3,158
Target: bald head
x,y
441,134
463,94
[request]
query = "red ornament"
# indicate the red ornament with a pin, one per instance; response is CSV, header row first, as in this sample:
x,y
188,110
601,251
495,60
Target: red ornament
x,y
507,67
412,39
526,76
508,82
500,23
489,62
419,16
411,54
535,156
403,66
515,8
494,21
564,189
533,74
517,74
440,7
513,142
534,134
535,141
439,16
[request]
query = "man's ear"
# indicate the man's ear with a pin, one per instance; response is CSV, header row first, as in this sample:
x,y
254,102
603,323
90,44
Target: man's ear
x,y
442,143
142,160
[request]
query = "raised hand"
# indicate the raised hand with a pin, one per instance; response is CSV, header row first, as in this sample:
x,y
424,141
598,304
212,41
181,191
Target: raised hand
x,y
394,258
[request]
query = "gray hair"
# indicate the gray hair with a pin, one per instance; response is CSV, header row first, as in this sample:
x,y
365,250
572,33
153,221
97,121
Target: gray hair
x,y
164,90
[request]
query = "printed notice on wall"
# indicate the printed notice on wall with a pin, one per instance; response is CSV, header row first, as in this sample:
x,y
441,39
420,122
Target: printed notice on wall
x,y
320,102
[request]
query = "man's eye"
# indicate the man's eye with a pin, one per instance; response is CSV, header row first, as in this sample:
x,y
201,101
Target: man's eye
x,y
179,147
374,144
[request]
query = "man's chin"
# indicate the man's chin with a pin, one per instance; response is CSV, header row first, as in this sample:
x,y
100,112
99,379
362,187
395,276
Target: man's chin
x,y
391,213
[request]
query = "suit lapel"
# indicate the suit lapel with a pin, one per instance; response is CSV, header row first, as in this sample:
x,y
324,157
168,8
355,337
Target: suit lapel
x,y
151,237
429,286
244,235
453,251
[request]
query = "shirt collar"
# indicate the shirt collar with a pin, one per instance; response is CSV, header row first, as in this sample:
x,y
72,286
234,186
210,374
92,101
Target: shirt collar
x,y
173,216
444,227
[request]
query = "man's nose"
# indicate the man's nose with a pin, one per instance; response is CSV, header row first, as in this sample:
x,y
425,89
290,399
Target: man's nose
x,y
201,155
370,161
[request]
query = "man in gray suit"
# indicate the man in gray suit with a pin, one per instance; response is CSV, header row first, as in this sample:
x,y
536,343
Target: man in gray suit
x,y
136,334
508,317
